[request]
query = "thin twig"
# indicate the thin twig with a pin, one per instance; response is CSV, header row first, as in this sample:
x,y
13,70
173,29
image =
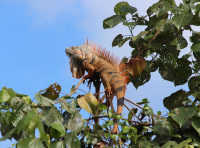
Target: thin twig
x,y
119,138
138,106
146,47
132,112
97,117
179,31
76,87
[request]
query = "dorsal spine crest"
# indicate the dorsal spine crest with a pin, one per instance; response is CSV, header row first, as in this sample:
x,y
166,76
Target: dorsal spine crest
x,y
111,58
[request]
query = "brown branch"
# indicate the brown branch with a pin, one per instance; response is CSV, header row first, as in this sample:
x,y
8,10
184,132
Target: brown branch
x,y
119,138
146,47
97,117
139,106
77,86
179,31
104,96
132,112
133,103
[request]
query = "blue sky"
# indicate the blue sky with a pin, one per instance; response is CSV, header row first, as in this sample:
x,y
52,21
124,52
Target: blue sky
x,y
35,33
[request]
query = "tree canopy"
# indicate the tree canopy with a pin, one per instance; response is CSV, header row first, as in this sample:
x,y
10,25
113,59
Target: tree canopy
x,y
157,47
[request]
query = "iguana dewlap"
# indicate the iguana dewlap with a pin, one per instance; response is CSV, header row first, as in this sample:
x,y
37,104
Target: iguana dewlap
x,y
93,59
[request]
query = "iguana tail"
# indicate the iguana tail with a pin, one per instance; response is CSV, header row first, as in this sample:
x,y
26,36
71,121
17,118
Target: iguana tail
x,y
119,87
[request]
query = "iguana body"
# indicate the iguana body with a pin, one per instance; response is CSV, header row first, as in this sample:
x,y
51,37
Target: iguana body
x,y
93,59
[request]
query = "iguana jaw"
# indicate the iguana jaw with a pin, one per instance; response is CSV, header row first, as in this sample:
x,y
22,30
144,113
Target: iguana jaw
x,y
75,62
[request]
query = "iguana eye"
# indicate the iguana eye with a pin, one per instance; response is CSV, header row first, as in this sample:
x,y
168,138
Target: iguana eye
x,y
80,56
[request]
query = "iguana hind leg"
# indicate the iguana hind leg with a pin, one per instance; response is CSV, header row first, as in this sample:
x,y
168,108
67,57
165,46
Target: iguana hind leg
x,y
106,84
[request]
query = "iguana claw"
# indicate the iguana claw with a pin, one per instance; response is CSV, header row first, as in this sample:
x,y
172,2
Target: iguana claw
x,y
109,91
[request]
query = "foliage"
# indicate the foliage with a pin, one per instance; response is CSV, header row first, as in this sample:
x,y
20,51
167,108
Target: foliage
x,y
58,119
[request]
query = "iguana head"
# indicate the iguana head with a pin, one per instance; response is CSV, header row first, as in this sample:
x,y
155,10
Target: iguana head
x,y
76,55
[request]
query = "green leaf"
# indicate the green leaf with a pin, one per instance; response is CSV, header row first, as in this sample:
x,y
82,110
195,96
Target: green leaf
x,y
130,115
197,9
7,135
196,124
50,115
43,135
33,125
155,46
175,100
151,66
118,6
128,9
55,134
183,71
147,144
182,114
11,92
72,141
125,129
184,143
170,144
159,113
30,143
197,144
194,84
71,108
67,97
183,61
195,38
123,41
180,42
102,107
5,128
136,38
196,66
181,20
191,133
74,122
173,53
164,127
4,95
115,20
17,118
186,56
162,138
148,110
57,144
92,102
196,55
27,119
117,39
105,26
27,99
195,47
166,70
44,100
177,136
140,79
59,127
73,87
129,24
160,8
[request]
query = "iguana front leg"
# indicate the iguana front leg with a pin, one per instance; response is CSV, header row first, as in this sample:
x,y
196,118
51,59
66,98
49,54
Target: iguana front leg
x,y
90,70
106,83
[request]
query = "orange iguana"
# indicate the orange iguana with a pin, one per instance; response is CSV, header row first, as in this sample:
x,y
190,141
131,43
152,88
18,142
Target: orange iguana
x,y
92,59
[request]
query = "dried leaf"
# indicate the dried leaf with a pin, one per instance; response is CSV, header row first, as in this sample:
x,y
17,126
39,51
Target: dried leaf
x,y
135,66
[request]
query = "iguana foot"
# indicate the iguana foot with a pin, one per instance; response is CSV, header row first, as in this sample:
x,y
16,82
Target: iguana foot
x,y
109,91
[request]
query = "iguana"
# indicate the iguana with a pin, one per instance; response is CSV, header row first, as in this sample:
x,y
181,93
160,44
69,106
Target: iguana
x,y
92,59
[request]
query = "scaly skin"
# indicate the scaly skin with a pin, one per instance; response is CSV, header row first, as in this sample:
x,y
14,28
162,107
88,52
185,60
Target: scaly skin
x,y
96,60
